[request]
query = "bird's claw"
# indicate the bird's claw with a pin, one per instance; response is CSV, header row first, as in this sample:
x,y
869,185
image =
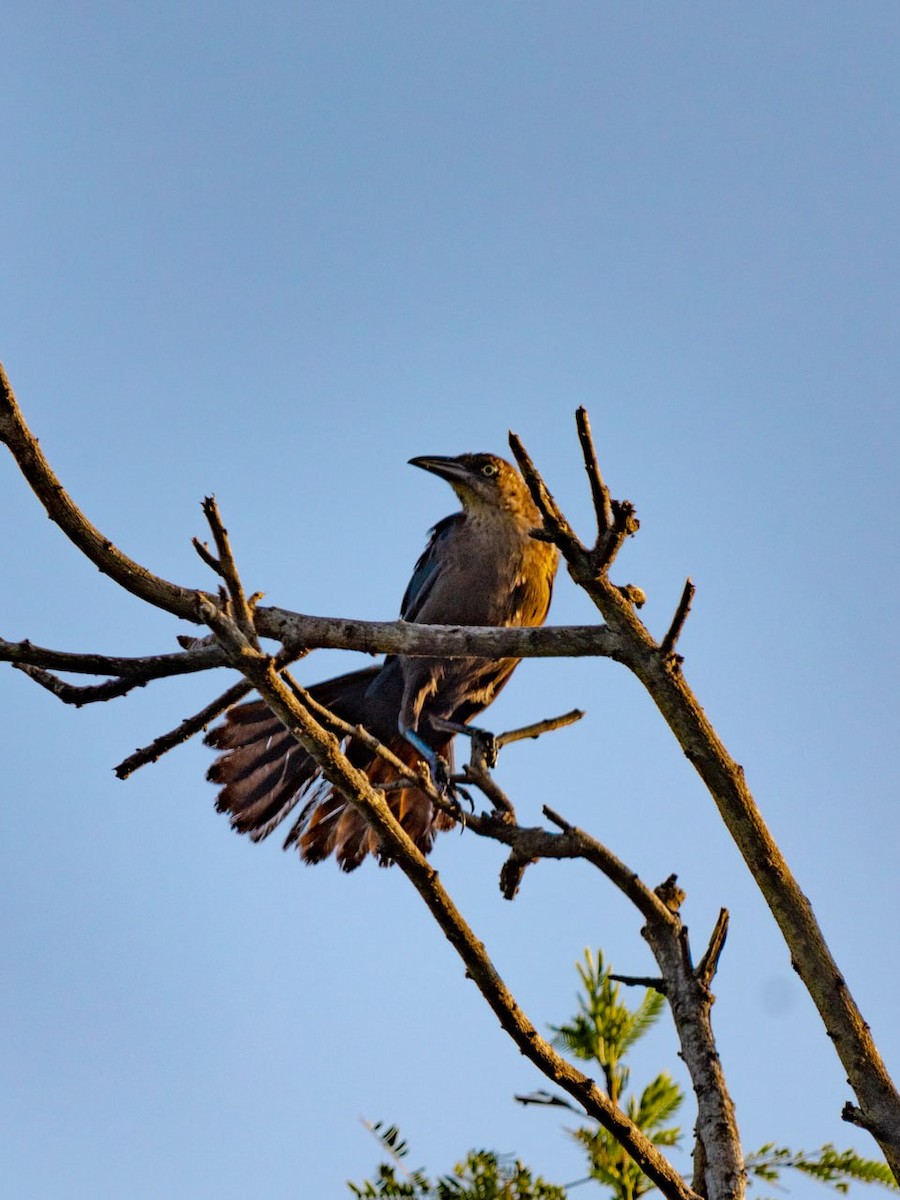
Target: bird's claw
x,y
456,790
485,744
438,767
440,774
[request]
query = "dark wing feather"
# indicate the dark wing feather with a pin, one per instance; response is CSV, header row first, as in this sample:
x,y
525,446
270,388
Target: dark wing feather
x,y
426,569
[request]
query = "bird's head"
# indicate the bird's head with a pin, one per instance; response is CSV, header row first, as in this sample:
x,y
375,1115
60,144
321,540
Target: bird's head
x,y
483,482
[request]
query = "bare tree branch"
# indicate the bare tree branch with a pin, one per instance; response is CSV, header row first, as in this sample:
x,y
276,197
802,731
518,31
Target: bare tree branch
x,y
667,645
63,512
686,987
546,1099
206,555
238,623
227,568
78,696
709,963
599,491
645,981
141,670
299,632
353,784
182,733
288,702
540,727
724,778
556,527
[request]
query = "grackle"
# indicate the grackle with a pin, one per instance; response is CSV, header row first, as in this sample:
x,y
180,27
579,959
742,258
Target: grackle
x,y
480,567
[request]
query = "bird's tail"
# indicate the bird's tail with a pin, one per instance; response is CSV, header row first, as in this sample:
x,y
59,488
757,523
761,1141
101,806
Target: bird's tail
x,y
265,773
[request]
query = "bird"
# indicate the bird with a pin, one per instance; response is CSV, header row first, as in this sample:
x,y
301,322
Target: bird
x,y
481,566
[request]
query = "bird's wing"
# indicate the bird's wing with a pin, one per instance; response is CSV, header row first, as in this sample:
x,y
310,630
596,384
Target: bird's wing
x,y
428,567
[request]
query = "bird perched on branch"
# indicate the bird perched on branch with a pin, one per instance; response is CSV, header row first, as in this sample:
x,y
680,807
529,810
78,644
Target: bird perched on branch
x,y
480,567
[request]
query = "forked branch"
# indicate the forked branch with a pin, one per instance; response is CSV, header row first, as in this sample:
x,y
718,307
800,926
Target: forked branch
x,y
288,704
659,671
238,623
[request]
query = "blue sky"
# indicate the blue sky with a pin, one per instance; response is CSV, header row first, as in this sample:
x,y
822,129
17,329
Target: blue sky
x,y
272,254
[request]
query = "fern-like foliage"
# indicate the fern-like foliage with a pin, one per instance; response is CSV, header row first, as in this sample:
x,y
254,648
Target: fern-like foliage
x,y
600,1034
836,1168
482,1175
604,1028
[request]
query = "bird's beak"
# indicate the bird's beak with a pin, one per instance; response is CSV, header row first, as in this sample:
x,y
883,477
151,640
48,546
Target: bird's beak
x,y
450,469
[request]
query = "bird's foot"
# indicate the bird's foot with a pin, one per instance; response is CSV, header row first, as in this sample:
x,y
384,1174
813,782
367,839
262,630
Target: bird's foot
x,y
438,767
484,743
458,791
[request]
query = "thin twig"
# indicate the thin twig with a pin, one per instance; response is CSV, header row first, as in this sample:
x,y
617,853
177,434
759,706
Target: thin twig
x,y
556,819
555,524
616,520
227,568
599,491
194,724
181,733
546,1099
144,669
667,645
206,555
647,981
708,965
540,727
79,695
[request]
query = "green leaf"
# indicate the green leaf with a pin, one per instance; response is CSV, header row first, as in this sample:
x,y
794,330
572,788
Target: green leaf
x,y
836,1168
659,1101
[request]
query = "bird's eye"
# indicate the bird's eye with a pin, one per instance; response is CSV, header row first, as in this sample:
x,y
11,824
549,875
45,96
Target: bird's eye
x,y
489,470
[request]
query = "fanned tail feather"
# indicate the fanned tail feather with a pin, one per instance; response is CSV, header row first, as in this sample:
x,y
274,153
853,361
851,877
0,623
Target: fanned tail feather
x,y
265,773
